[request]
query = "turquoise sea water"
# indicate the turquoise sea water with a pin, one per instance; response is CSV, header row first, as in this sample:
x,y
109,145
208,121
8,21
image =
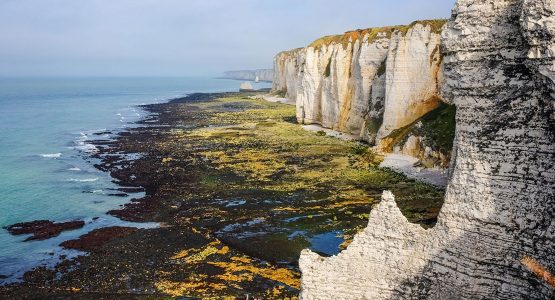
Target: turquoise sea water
x,y
45,171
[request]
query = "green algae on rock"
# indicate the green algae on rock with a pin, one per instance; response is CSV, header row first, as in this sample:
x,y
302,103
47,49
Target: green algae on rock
x,y
240,189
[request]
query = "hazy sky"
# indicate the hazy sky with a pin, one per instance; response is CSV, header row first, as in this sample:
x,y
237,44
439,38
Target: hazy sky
x,y
179,37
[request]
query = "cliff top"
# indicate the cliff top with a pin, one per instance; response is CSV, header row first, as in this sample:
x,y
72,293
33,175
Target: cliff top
x,y
372,33
290,52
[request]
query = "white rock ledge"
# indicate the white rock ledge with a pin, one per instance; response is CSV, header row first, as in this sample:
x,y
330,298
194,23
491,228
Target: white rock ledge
x,y
406,164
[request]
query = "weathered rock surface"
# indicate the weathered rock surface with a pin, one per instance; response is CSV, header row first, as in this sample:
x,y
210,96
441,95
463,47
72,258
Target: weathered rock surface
x,y
262,74
246,86
366,82
286,71
499,211
98,237
43,229
430,139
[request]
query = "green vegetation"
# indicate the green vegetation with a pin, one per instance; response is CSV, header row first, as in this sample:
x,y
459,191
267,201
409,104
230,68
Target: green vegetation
x,y
280,94
437,128
373,33
327,73
382,68
267,154
373,124
398,137
359,149
352,36
436,25
435,52
250,187
240,189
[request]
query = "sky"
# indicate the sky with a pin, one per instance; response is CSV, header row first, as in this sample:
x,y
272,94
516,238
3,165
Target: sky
x,y
59,38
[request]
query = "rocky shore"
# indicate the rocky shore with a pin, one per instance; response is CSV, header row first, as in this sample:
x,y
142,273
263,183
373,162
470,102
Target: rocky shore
x,y
43,229
240,189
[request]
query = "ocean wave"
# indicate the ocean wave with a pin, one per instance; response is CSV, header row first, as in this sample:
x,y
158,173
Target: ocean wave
x,y
83,180
89,148
51,155
85,147
74,169
86,133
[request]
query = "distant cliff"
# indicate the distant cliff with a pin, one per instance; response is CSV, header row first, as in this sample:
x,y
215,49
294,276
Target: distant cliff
x,y
381,84
495,235
262,74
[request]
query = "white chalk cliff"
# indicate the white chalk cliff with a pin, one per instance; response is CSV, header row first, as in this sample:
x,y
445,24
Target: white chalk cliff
x,y
495,235
366,83
262,74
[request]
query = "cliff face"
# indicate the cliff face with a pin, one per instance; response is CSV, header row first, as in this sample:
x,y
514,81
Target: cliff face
x,y
286,71
495,236
367,82
346,81
262,74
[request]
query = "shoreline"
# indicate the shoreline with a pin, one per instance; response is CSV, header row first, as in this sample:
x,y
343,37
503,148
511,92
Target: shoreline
x,y
250,80
79,181
405,164
222,206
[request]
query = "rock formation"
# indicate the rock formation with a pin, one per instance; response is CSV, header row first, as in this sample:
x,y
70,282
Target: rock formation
x,y
43,229
495,236
286,72
246,87
262,74
368,82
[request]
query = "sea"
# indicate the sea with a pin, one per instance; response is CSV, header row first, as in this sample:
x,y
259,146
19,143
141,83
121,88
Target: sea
x,y
46,172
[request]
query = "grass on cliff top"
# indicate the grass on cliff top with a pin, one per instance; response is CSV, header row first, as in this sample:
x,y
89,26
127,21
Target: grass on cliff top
x,y
373,33
436,25
291,52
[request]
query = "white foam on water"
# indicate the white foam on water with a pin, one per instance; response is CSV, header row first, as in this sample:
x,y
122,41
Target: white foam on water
x,y
92,131
88,148
83,180
52,155
85,147
74,169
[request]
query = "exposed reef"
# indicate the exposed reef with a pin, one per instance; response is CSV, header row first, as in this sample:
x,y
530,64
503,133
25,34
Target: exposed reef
x,y
98,237
43,229
495,235
239,189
